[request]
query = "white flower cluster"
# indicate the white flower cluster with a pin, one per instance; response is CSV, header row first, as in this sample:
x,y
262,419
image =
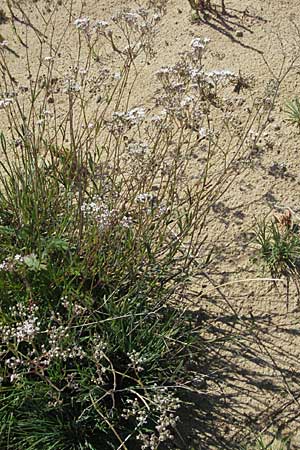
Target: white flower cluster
x,y
6,265
100,25
71,382
135,410
165,404
165,70
71,86
126,221
9,264
104,217
25,330
3,43
131,17
82,23
136,360
217,76
100,347
187,101
139,21
75,307
99,212
13,362
196,74
198,43
132,117
188,90
199,46
144,197
121,121
5,103
159,119
28,329
48,59
206,133
74,352
58,348
56,352
137,149
20,310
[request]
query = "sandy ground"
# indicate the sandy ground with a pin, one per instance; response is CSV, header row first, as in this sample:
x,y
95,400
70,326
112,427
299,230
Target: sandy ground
x,y
254,379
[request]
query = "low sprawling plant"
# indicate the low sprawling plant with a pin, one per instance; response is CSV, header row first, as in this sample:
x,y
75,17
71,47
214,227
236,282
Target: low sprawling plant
x,y
293,111
103,215
94,339
265,442
279,246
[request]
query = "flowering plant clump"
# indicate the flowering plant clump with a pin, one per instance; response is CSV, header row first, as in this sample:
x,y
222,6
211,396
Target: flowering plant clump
x,y
104,204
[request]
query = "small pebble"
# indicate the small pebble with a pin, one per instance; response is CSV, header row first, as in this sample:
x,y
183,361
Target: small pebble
x,y
239,33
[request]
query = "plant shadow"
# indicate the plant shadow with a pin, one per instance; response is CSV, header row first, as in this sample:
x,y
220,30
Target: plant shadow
x,y
232,24
248,381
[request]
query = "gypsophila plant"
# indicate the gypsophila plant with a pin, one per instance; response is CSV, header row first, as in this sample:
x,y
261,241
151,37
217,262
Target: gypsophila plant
x,y
104,208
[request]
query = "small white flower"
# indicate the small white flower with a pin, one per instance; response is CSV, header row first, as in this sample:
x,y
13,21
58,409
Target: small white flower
x,y
100,25
72,86
5,103
18,258
126,222
27,330
137,148
13,377
187,100
82,71
136,360
159,117
133,117
136,114
144,197
82,23
47,112
219,75
196,73
131,17
199,43
202,133
4,265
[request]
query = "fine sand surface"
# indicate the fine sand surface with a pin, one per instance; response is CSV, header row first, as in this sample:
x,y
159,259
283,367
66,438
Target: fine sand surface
x,y
254,382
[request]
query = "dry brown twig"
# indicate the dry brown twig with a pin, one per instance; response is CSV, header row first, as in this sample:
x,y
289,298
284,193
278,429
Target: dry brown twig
x,y
284,220
202,5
